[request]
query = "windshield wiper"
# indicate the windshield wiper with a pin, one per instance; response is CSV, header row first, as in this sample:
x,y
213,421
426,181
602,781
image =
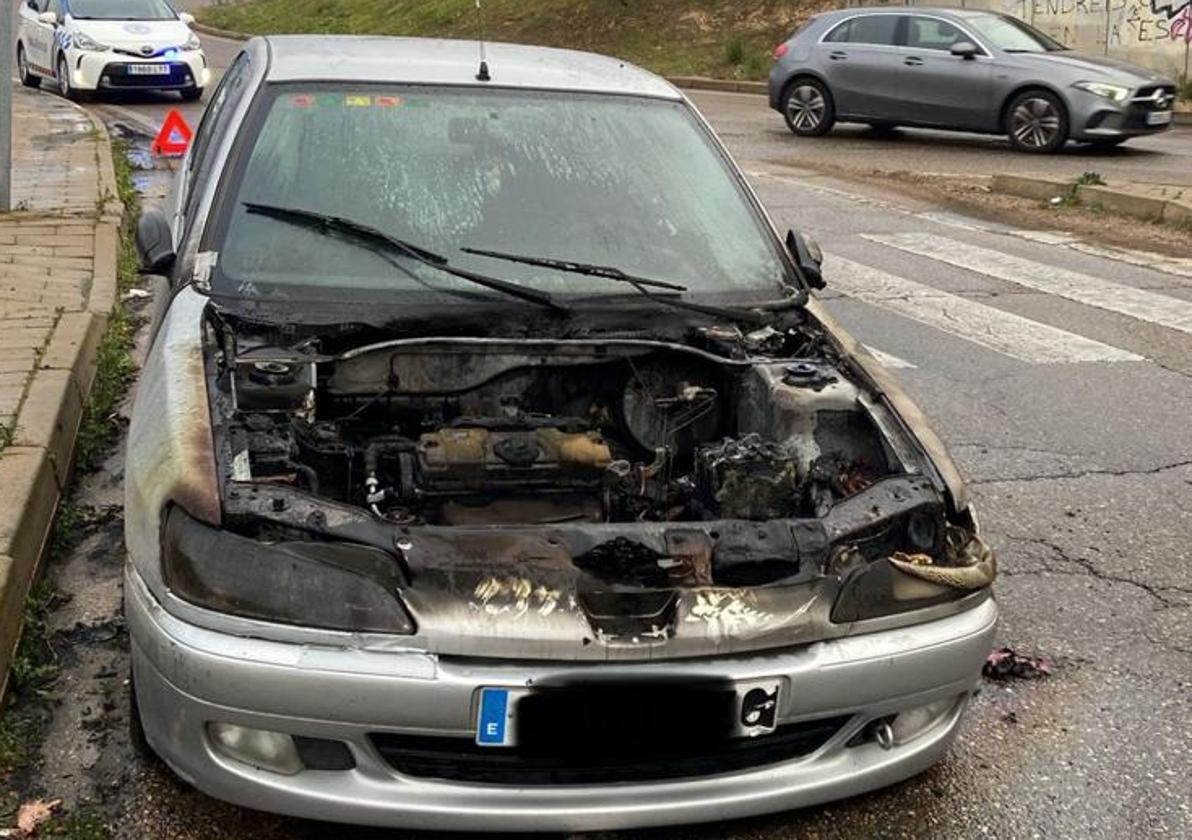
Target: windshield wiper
x,y
641,284
381,243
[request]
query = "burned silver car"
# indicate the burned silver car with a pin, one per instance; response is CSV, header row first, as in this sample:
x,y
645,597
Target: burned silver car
x,y
492,467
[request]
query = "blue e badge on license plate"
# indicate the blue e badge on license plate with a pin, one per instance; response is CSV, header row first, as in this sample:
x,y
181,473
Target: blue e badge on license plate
x,y
495,718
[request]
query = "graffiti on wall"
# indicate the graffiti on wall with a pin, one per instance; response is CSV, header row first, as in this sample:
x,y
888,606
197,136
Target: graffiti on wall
x,y
1120,23
1179,17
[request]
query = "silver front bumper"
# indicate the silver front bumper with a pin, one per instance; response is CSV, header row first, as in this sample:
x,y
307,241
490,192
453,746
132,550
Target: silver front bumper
x,y
188,676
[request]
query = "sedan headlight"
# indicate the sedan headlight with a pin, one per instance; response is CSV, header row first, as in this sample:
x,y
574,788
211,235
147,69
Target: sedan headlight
x,y
86,43
337,586
192,43
1115,92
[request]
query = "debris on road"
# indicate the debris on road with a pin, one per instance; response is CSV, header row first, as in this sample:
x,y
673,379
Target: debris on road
x,y
1006,663
31,815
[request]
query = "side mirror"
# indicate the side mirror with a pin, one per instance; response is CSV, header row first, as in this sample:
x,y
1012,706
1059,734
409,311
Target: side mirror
x,y
186,17
808,257
49,18
155,243
964,49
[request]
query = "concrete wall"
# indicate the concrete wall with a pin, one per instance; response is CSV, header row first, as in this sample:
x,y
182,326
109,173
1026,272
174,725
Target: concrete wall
x,y
1153,33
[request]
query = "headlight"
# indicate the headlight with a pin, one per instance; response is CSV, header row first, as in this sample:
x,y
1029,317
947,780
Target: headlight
x,y
1115,92
903,582
879,589
192,43
86,43
337,586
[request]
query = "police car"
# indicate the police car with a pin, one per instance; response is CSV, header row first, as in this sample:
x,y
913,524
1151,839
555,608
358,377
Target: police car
x,y
109,45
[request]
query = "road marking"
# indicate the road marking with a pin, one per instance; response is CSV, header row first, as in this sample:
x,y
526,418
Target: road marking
x,y
1151,307
889,359
1004,332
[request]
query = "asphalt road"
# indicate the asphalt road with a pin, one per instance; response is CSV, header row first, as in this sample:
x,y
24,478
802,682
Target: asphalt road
x,y
1061,376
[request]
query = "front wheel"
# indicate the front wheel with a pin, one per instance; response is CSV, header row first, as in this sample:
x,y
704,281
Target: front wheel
x,y
808,108
1037,122
28,77
65,88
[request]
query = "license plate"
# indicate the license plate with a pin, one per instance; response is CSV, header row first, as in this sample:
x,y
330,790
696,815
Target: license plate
x,y
1158,118
753,707
148,69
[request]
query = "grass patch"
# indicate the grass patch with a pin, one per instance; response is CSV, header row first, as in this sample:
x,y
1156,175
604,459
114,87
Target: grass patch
x,y
115,368
34,670
674,37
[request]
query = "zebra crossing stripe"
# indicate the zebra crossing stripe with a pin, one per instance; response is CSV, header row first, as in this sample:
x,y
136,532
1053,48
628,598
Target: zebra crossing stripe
x,y
1147,306
889,359
1004,332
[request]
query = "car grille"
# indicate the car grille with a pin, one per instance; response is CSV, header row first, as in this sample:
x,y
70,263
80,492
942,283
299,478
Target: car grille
x,y
117,76
1145,97
461,760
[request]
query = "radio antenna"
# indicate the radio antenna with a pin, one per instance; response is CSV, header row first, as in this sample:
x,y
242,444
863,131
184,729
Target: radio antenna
x,y
482,74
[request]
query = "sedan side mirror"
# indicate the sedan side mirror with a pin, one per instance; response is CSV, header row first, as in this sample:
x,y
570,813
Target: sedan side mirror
x,y
964,49
808,257
155,243
49,18
186,17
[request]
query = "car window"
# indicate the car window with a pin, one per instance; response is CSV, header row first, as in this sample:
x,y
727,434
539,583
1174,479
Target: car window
x,y
632,181
1011,35
868,29
223,102
926,33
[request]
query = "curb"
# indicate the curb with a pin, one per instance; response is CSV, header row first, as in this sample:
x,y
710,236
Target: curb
x,y
35,468
1147,207
216,32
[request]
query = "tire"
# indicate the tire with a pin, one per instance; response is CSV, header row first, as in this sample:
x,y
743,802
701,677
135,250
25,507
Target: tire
x,y
65,88
808,108
28,77
136,729
1037,122
192,94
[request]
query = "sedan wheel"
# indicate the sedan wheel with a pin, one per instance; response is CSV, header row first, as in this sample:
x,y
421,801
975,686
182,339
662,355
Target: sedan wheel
x,y
1037,122
64,79
27,76
808,109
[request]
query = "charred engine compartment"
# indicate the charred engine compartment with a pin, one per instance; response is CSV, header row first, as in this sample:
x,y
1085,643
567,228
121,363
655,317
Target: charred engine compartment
x,y
479,432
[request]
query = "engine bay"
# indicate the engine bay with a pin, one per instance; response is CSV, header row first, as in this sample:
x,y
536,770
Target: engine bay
x,y
492,432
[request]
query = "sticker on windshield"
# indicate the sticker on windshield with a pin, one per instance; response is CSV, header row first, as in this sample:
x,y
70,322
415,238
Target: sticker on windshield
x,y
387,101
357,101
302,100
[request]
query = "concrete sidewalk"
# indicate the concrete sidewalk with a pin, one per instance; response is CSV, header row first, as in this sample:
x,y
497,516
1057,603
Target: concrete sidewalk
x,y
58,252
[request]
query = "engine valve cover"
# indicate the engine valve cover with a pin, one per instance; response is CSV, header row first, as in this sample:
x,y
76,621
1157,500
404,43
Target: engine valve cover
x,y
473,460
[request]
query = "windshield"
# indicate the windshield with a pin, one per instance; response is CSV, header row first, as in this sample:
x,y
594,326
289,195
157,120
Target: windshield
x,y
628,182
1012,35
121,10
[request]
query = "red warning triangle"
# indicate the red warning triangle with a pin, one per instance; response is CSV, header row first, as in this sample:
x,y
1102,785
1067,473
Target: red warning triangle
x,y
174,137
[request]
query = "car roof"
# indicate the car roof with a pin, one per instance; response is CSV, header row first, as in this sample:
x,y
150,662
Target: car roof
x,y
943,11
352,58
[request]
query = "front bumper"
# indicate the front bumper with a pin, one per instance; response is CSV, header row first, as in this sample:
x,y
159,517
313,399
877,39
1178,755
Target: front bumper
x,y
187,676
109,70
1098,118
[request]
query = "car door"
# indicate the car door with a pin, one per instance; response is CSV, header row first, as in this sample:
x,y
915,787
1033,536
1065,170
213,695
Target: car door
x,y
37,37
860,59
949,91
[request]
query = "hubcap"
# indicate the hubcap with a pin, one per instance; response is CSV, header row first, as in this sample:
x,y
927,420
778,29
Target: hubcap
x,y
63,78
22,69
806,107
1035,123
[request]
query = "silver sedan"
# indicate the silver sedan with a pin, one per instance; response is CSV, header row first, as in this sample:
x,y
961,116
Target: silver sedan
x,y
493,468
966,70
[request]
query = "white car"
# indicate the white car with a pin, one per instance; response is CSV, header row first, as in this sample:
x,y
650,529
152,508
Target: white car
x,y
110,45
